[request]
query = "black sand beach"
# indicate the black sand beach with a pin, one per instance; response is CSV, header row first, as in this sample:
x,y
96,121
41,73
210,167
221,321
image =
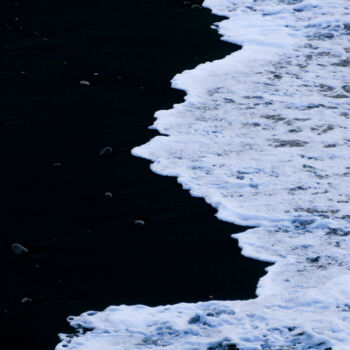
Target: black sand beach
x,y
77,76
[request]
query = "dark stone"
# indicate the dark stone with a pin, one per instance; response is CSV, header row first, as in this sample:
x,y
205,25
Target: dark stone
x,y
19,249
26,300
107,151
196,7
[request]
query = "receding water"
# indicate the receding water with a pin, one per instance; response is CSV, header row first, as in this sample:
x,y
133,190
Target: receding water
x,y
263,136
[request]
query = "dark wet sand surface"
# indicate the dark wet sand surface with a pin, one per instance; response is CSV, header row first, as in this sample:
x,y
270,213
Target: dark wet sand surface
x,y
85,250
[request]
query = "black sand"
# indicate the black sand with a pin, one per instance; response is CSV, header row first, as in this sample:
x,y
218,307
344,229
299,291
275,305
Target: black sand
x,y
85,250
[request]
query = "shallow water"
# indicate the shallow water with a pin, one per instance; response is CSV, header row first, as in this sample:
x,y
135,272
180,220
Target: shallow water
x,y
263,137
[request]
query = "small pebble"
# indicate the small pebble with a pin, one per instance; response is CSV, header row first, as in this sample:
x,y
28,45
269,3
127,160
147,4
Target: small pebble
x,y
108,195
107,151
84,82
26,300
57,164
139,222
19,249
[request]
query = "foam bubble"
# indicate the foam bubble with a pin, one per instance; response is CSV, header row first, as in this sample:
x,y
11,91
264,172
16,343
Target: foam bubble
x,y
263,136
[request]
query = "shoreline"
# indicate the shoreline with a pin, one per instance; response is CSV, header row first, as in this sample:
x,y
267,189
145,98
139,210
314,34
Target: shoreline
x,y
151,243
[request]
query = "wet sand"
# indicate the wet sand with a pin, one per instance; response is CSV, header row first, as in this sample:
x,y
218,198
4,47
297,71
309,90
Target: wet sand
x,y
76,77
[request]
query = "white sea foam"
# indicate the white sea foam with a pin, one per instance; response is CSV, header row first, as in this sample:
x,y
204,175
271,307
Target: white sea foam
x,y
263,136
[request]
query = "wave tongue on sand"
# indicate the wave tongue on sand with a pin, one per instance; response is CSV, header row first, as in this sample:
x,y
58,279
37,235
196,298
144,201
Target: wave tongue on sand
x,y
263,136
